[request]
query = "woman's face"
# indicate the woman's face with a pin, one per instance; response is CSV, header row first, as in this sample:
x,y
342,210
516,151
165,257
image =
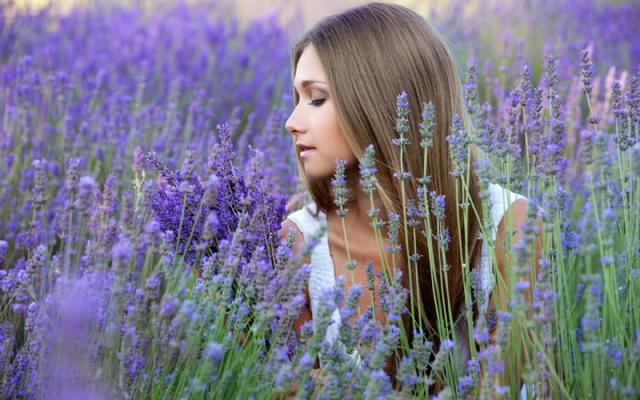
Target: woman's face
x,y
314,123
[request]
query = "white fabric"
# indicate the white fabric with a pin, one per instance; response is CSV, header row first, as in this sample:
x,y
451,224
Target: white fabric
x,y
322,268
322,275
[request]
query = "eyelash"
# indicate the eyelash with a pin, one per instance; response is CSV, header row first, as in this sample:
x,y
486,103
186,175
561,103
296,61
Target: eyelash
x,y
316,102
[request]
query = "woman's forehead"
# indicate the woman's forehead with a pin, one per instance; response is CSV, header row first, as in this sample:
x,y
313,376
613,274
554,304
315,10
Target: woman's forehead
x,y
309,67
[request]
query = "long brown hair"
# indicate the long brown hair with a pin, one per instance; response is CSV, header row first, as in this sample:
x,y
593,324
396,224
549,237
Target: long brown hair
x,y
371,54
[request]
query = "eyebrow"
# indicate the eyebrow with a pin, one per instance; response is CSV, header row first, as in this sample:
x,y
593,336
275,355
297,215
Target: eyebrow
x,y
308,82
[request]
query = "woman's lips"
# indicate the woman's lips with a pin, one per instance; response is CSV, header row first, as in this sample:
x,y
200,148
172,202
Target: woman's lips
x,y
306,152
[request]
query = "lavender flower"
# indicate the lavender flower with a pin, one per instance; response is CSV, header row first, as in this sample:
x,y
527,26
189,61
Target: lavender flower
x,y
525,86
633,102
415,216
138,160
4,247
370,275
153,286
211,191
178,208
551,74
379,385
587,70
617,103
426,125
120,254
402,128
590,321
39,191
393,297
168,308
368,170
437,205
458,146
446,348
72,175
109,202
406,372
421,351
36,265
614,353
394,225
443,238
215,352
86,189
471,85
338,184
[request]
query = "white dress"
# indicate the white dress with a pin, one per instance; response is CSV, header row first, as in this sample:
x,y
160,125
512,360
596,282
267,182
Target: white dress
x,y
323,277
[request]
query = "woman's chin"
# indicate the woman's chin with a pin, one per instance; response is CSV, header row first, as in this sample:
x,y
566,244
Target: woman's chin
x,y
314,175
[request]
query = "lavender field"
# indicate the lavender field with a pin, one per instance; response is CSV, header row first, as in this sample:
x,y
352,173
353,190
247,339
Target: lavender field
x,y
145,170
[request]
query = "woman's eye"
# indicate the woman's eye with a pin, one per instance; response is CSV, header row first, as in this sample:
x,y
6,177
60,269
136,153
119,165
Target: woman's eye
x,y
316,102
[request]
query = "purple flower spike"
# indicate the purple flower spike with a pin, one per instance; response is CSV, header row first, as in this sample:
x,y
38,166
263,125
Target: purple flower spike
x,y
587,70
138,160
215,352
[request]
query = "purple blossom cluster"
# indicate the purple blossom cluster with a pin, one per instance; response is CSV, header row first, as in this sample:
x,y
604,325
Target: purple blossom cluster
x,y
81,101
202,214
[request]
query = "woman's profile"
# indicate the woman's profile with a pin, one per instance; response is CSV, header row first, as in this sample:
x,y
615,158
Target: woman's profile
x,y
347,73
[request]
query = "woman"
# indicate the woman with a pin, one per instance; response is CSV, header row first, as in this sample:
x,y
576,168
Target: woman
x,y
347,72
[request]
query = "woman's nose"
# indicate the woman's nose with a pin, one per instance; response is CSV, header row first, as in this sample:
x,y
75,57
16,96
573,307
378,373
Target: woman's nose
x,y
293,124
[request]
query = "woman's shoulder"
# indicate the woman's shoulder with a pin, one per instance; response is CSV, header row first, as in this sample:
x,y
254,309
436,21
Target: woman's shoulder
x,y
286,227
308,210
498,191
305,219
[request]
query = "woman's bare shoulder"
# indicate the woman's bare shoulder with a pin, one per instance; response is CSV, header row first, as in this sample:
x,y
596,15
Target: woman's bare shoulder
x,y
286,227
298,241
516,214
